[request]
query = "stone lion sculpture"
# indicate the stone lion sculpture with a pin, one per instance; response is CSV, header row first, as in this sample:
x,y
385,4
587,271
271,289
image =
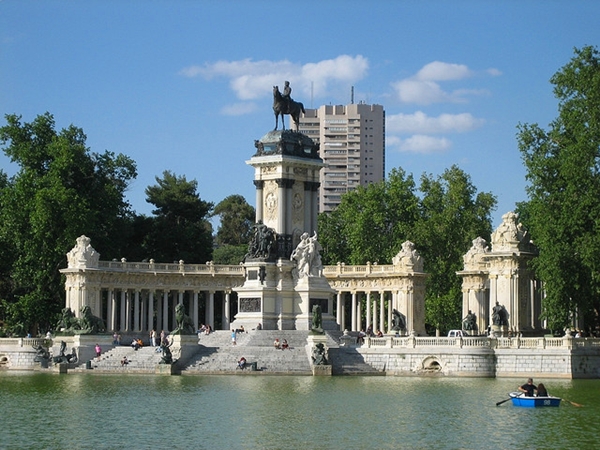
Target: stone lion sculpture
x,y
185,325
88,323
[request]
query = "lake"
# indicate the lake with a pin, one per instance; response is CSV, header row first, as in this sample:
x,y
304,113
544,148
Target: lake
x,y
93,411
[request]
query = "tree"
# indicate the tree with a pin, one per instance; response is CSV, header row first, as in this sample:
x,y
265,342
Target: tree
x,y
371,223
563,208
235,229
452,215
179,229
60,191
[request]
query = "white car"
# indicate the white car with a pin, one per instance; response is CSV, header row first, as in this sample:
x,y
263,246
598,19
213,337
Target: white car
x,y
457,333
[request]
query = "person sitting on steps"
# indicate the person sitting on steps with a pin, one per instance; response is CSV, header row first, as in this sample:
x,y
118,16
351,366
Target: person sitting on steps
x,y
284,345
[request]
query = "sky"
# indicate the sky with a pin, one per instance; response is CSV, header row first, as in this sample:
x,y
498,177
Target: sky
x,y
186,86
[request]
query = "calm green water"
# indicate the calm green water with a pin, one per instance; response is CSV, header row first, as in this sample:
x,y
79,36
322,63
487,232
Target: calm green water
x,y
89,411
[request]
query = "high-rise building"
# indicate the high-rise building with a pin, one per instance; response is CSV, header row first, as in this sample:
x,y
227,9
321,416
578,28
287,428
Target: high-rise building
x,y
352,146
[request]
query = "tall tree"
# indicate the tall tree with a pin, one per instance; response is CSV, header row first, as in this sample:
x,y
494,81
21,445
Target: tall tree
x,y
563,208
371,223
452,215
60,191
234,232
180,229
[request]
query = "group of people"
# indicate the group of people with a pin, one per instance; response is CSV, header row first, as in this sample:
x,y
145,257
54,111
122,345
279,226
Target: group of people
x,y
281,345
205,329
529,389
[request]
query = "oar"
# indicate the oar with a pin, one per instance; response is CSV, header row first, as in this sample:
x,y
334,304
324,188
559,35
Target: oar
x,y
579,405
503,401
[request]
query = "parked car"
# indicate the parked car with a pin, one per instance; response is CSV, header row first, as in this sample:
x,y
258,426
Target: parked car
x,y
457,333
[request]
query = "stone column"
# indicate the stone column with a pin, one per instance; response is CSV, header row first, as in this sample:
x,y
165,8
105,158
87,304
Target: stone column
x,y
374,323
340,311
353,319
315,205
289,201
259,199
159,321
210,309
195,310
165,321
308,207
382,311
123,318
112,310
226,311
281,206
151,310
136,311
368,308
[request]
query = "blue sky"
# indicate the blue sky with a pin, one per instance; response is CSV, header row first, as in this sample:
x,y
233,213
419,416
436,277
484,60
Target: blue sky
x,y
186,86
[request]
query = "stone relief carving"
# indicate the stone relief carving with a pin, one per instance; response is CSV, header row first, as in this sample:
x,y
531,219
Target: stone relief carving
x,y
83,254
409,258
472,259
510,235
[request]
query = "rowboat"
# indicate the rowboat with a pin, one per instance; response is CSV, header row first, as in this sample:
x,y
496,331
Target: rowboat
x,y
519,399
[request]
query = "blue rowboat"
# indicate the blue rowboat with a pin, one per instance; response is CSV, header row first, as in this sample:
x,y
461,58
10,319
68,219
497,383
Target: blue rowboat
x,y
519,399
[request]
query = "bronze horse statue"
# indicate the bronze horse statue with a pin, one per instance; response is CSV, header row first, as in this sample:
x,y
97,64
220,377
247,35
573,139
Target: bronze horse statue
x,y
281,107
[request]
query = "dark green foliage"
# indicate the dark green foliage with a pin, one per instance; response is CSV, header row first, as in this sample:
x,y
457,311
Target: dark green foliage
x,y
60,192
179,229
237,218
441,220
563,210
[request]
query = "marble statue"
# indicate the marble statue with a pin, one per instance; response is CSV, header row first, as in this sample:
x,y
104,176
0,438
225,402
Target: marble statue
x,y
308,257
83,254
409,257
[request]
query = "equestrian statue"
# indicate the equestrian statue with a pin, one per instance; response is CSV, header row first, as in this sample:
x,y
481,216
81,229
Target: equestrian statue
x,y
283,104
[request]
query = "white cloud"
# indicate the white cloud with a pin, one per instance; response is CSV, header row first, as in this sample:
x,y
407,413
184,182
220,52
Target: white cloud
x,y
424,88
421,123
441,71
239,109
419,143
253,79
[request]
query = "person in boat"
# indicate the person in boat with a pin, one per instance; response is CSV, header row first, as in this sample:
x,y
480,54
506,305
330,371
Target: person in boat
x,y
541,390
528,388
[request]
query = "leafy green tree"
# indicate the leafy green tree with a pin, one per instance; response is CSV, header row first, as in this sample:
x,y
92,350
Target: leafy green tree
x,y
441,220
370,221
180,229
60,192
235,229
563,208
452,215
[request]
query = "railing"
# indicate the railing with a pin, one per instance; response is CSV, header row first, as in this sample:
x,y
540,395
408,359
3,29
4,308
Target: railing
x,y
208,268
342,269
22,342
472,342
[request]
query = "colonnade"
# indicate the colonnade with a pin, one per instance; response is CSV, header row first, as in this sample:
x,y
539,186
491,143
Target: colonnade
x,y
141,310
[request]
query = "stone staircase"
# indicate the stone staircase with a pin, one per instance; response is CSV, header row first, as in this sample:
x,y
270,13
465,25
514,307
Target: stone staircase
x,y
143,360
217,355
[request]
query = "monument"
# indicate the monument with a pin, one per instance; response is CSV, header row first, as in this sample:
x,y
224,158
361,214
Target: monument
x,y
283,270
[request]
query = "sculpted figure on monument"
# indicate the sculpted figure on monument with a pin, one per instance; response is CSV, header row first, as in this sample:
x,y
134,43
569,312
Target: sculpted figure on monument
x,y
470,322
88,323
308,257
398,321
185,325
83,254
283,104
317,319
262,244
319,356
499,315
409,256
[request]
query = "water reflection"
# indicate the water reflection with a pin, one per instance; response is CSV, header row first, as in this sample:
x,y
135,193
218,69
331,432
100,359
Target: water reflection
x,y
85,411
